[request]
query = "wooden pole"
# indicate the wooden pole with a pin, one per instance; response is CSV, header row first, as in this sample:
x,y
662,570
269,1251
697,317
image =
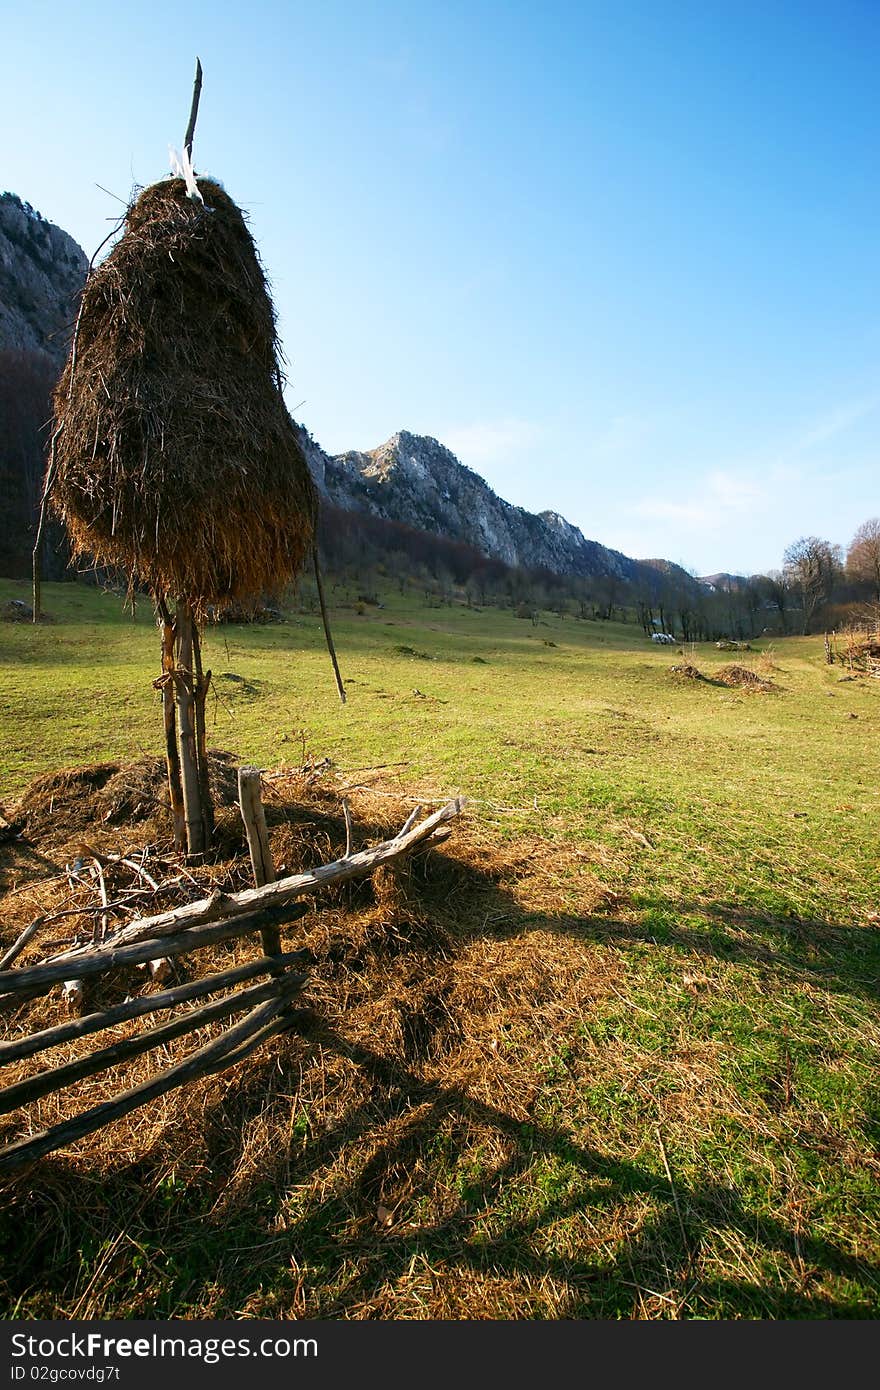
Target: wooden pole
x,y
250,800
172,757
200,696
193,111
184,681
328,636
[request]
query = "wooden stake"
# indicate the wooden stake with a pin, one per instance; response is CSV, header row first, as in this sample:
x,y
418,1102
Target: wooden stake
x,y
193,111
186,732
250,800
172,756
200,696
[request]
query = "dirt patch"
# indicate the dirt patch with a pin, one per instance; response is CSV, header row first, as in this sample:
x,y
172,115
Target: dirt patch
x,y
15,610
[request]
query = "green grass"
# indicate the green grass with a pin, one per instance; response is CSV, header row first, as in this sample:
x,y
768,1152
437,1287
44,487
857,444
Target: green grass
x,y
702,1141
769,801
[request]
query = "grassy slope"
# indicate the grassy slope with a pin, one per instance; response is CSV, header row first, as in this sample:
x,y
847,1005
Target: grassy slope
x,y
736,835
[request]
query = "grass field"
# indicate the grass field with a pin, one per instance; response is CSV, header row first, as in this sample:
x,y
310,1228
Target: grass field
x,y
653,1089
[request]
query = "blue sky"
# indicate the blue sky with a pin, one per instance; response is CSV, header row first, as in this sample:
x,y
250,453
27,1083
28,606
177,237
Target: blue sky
x,y
621,257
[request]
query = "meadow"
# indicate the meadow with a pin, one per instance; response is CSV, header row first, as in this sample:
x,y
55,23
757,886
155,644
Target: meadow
x,y
643,1081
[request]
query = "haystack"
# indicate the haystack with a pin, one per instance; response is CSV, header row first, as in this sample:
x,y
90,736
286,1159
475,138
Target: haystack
x,y
177,462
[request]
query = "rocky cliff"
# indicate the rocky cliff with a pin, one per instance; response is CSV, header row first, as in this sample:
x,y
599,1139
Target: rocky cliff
x,y
415,479
42,271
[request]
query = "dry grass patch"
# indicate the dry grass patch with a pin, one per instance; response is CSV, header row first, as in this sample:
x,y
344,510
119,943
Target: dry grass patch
x,y
511,1093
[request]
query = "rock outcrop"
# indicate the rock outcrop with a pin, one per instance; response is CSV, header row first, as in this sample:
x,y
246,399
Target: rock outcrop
x,y
417,480
42,271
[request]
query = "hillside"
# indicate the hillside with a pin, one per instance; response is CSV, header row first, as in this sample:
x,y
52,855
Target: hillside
x,y
414,478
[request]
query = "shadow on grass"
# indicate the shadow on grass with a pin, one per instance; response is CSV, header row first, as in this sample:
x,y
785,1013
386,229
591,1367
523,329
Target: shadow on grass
x,y
173,1251
301,1231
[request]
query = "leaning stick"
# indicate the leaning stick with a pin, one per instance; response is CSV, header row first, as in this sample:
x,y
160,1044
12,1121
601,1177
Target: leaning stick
x,y
271,894
21,941
231,1046
32,1043
96,962
57,1078
37,555
328,636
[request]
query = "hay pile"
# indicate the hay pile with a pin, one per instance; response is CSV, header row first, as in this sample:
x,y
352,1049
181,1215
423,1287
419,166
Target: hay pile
x,y
688,671
178,462
741,678
58,806
454,969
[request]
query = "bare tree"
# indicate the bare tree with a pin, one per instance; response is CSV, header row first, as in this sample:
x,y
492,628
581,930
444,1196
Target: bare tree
x,y
863,556
810,565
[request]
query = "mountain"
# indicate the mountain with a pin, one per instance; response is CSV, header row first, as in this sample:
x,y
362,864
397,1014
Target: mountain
x,y
411,480
416,480
723,581
42,271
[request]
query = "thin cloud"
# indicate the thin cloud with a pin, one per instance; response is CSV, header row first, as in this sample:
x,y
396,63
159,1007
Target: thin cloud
x,y
716,500
835,422
490,441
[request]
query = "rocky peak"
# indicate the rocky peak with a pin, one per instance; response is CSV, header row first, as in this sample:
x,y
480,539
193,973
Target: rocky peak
x,y
415,479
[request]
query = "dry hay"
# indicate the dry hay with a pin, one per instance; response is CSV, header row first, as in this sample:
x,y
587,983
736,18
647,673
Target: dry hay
x,y
740,677
59,805
177,462
434,966
406,1152
688,671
